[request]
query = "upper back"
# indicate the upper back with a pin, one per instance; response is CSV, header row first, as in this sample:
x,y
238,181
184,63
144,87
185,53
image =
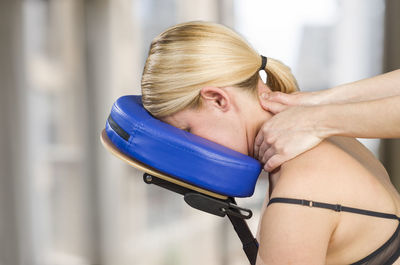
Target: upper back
x,y
358,235
341,170
364,173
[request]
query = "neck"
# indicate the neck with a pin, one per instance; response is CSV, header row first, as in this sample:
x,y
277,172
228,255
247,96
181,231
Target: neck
x,y
256,117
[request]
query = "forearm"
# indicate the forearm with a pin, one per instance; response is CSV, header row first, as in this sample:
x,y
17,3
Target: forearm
x,y
368,119
381,86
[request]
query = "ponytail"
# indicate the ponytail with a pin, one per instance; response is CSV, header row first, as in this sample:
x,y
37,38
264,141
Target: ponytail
x,y
279,77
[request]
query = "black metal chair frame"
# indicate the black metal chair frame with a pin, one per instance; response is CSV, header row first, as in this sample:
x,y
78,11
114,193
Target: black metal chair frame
x,y
237,215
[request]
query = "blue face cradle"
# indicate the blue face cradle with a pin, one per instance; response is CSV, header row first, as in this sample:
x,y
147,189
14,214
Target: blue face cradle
x,y
179,153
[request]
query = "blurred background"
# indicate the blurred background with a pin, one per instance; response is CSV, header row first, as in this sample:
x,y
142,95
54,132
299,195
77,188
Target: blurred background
x,y
64,199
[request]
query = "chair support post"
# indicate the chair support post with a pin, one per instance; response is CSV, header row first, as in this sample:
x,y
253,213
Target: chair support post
x,y
250,244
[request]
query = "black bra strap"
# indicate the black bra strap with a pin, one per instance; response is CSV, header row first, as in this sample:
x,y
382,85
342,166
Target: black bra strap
x,y
334,207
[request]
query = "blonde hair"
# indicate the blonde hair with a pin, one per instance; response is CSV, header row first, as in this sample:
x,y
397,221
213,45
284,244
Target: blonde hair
x,y
188,56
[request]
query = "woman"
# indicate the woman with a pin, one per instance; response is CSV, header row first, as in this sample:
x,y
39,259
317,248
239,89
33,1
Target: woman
x,y
203,78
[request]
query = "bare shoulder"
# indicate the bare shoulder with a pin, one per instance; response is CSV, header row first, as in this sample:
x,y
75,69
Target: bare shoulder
x,y
293,234
322,173
335,174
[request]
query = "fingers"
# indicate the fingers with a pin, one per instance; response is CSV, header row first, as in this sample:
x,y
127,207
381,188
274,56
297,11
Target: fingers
x,y
267,155
262,143
273,107
274,162
283,98
263,147
257,142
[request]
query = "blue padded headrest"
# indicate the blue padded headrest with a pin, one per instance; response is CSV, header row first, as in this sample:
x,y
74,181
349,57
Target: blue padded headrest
x,y
178,153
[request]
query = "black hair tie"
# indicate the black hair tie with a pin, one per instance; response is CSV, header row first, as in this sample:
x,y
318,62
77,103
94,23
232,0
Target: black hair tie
x,y
263,62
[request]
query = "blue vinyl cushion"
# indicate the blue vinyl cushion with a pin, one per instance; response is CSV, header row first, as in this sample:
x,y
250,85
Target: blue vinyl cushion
x,y
181,154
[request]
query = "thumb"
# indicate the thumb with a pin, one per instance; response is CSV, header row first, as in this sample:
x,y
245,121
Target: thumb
x,y
283,98
273,107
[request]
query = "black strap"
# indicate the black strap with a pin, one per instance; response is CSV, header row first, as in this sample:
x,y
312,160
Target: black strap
x,y
263,62
334,207
121,132
250,244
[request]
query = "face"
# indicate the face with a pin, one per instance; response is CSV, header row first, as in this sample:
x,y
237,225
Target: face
x,y
228,117
225,128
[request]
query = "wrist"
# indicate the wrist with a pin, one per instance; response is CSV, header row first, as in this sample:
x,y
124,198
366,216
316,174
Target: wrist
x,y
323,121
325,96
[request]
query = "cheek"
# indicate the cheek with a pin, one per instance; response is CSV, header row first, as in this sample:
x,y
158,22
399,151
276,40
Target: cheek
x,y
236,141
229,135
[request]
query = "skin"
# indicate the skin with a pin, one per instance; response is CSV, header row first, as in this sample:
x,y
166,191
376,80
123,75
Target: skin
x,y
304,119
228,117
338,170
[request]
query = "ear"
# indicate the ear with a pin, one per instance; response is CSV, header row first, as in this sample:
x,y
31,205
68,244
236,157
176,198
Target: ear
x,y
216,97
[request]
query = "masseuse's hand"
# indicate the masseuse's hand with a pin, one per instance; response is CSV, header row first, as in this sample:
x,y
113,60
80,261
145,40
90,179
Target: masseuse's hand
x,y
290,132
298,98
